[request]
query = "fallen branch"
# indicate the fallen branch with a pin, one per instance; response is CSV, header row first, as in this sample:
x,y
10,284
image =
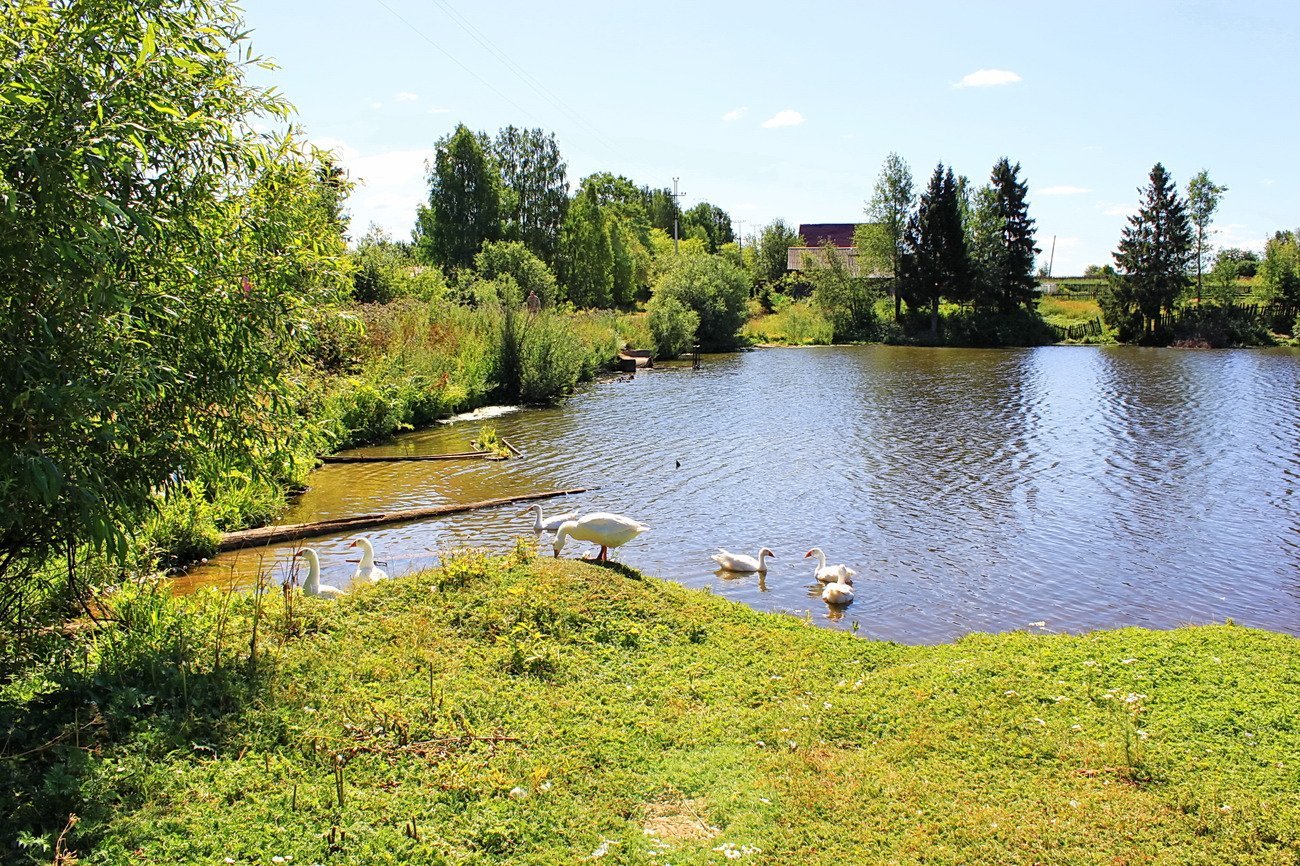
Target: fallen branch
x,y
506,442
294,531
459,455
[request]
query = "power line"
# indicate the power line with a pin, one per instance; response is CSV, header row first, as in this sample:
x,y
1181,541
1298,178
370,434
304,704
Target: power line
x,y
450,57
521,73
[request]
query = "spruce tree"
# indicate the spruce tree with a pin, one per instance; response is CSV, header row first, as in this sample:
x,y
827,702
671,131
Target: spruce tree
x,y
1154,254
934,262
1013,281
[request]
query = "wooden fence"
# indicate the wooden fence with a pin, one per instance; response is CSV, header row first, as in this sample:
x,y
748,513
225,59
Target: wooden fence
x,y
1078,332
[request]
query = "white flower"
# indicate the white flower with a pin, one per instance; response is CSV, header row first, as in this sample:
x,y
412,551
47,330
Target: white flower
x,y
277,859
1011,693
1127,661
1074,804
1040,721
518,793
1076,727
603,848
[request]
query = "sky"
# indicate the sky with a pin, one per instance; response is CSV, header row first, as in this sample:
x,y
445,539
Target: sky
x,y
788,110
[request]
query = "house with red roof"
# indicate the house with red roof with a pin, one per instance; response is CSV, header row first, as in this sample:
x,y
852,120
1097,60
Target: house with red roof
x,y
816,236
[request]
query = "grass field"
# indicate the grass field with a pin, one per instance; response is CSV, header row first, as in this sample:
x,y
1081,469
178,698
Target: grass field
x,y
509,710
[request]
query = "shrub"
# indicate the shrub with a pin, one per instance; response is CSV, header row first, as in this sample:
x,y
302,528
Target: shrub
x,y
513,259
716,290
672,325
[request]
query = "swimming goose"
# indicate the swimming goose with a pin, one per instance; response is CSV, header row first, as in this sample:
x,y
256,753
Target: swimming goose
x,y
741,562
838,592
829,573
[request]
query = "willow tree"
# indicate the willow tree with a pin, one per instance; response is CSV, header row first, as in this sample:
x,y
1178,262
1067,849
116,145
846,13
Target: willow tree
x,y
161,259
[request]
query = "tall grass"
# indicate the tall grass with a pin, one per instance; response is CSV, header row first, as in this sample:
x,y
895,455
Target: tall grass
x,y
796,324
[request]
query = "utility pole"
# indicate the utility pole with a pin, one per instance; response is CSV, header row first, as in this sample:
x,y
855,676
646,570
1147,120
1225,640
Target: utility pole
x,y
1051,259
676,208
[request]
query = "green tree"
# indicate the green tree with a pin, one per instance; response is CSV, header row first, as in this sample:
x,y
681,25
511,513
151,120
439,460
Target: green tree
x,y
163,264
849,302
1247,261
934,261
774,244
528,272
661,208
534,189
672,324
464,208
587,254
716,290
1279,272
1005,249
623,212
890,206
713,221
1203,197
1153,256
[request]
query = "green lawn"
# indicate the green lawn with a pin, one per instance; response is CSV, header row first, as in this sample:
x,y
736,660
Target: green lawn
x,y
520,711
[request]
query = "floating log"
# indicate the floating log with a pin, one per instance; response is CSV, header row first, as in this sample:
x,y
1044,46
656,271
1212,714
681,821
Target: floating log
x,y
294,531
506,442
408,458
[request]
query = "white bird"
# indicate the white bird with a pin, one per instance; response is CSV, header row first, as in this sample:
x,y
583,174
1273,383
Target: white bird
x,y
367,570
312,585
547,524
838,592
600,527
742,562
829,573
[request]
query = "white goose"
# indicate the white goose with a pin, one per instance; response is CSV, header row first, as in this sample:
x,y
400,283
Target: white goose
x,y
741,562
600,527
838,592
367,570
829,573
547,524
312,585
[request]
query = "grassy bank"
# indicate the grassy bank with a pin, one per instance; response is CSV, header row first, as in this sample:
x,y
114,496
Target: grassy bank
x,y
510,710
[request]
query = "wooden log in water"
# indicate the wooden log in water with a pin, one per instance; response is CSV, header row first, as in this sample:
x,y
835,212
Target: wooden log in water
x,y
406,458
506,442
294,531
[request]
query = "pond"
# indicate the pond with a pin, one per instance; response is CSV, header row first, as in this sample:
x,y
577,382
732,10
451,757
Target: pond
x,y
1050,489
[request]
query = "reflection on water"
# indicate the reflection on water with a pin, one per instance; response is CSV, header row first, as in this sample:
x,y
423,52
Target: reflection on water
x,y
973,490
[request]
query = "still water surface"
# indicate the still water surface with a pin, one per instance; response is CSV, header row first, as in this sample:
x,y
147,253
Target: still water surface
x,y
1052,489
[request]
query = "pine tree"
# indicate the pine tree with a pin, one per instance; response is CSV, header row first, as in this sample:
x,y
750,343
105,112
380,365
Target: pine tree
x,y
464,207
934,259
1154,254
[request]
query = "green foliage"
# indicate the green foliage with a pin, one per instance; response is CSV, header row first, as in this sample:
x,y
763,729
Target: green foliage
x,y
587,254
793,323
1279,272
1203,197
553,359
1246,260
1003,250
713,222
511,258
1219,327
534,191
848,302
672,324
1152,258
774,244
464,208
715,290
891,204
161,261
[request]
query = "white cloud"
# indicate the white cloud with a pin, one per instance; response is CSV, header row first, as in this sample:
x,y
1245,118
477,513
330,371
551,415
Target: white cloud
x,y
390,185
406,97
1063,190
376,105
788,117
735,114
1237,235
988,78
439,110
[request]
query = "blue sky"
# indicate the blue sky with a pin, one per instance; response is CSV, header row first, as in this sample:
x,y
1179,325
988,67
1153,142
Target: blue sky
x,y
783,110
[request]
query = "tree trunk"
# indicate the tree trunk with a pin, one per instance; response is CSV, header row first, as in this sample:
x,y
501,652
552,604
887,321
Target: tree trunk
x,y
934,316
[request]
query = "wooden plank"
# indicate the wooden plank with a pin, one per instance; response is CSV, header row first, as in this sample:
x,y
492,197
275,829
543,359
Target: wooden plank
x,y
406,458
506,442
294,531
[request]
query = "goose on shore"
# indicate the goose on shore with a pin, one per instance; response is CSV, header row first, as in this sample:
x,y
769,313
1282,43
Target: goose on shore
x,y
742,562
367,570
829,573
600,527
312,585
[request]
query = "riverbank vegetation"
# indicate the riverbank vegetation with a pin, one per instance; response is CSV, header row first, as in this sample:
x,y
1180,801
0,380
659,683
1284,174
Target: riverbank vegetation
x,y
513,709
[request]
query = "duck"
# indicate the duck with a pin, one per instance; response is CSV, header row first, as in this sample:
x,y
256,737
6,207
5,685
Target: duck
x,y
742,562
599,527
367,570
547,524
312,585
829,573
838,592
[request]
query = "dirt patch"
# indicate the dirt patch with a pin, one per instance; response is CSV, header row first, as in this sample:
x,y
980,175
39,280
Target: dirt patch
x,y
675,819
